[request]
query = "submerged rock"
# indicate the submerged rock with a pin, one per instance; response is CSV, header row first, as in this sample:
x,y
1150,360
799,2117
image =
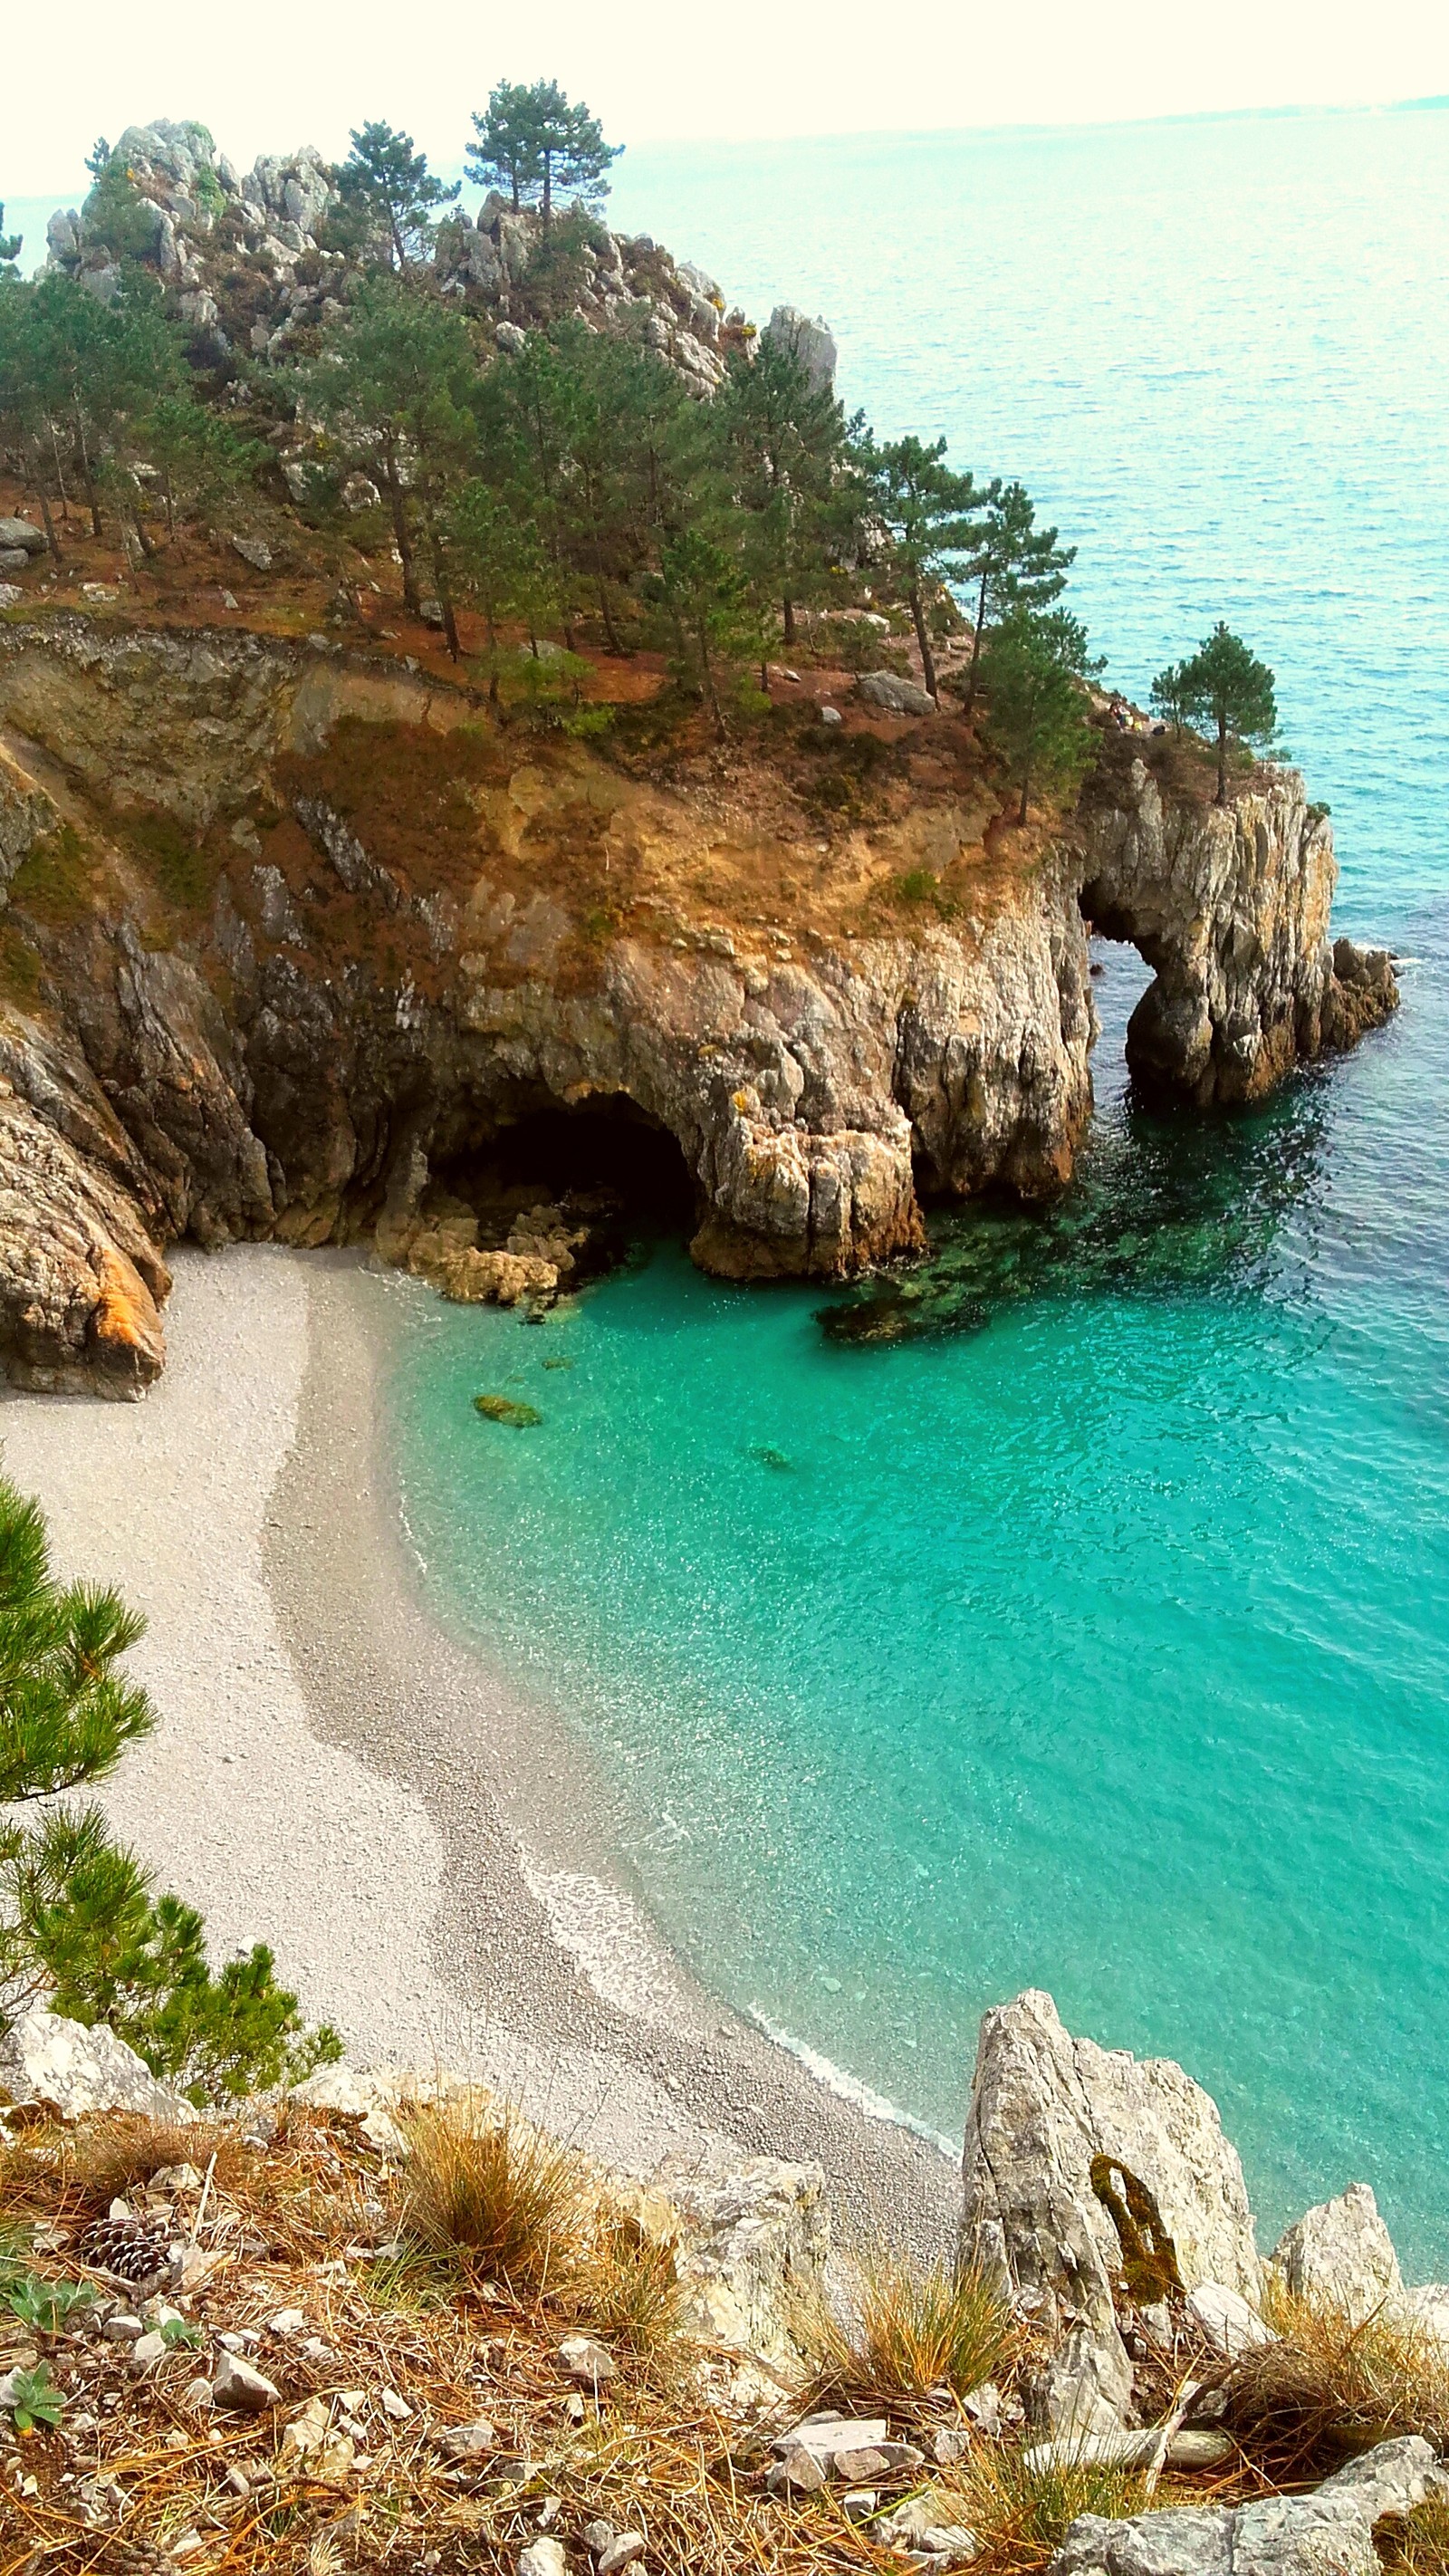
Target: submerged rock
x,y
506,1408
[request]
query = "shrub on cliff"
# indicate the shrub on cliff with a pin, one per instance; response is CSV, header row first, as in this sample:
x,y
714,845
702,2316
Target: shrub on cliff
x,y
1036,664
80,1923
1226,683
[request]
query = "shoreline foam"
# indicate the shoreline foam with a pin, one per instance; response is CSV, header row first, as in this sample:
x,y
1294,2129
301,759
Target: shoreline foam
x,y
336,1774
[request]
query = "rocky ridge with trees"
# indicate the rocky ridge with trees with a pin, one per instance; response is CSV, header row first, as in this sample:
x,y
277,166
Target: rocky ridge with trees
x,y
436,702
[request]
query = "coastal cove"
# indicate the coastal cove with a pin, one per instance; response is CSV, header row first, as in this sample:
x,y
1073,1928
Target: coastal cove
x,y
692,1703
1102,1647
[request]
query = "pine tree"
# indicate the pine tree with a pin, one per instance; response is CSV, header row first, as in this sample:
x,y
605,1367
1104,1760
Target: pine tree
x,y
705,600
536,144
1226,682
1170,695
79,1923
1035,666
384,177
783,441
931,519
1015,564
9,247
500,562
397,379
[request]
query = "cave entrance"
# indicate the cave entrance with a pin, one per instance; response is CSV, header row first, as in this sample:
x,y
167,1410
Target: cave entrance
x,y
604,1149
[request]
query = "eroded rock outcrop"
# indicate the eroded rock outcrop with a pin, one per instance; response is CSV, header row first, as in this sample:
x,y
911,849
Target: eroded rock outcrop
x,y
335,1023
60,2066
1230,904
1327,2533
1341,2255
1062,2139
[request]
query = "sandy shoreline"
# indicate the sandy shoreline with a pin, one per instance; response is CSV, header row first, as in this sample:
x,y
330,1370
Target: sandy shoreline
x,y
336,1774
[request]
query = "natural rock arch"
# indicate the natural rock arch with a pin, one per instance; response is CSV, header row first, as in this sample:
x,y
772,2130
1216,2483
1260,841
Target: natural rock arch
x,y
1229,905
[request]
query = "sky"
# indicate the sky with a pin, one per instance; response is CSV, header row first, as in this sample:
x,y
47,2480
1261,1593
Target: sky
x,y
278,74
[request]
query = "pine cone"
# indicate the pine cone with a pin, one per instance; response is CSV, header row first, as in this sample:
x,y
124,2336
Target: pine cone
x,y
130,2249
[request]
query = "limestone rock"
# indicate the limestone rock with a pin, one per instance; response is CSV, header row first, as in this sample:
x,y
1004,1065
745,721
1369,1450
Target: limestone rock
x,y
357,2097
811,342
1045,2108
1341,2255
1426,2312
1227,2318
241,2388
26,812
828,2437
466,2442
900,697
22,536
71,2069
542,2557
805,1092
1231,903
755,2236
1327,2533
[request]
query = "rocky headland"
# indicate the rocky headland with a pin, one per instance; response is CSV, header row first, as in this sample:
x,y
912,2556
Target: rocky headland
x,y
308,938
299,937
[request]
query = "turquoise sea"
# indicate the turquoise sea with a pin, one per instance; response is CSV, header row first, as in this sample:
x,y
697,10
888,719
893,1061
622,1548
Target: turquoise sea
x,y
1097,1637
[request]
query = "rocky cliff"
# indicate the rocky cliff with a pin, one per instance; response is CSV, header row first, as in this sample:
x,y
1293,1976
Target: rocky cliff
x,y
297,934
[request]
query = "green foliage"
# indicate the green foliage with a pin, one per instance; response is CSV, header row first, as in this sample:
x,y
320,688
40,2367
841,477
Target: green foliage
x,y
1170,695
930,516
397,383
1036,664
53,880
1014,563
9,248
183,871
1226,683
712,621
535,145
919,887
116,217
46,2305
178,2336
79,1923
784,445
393,188
35,2399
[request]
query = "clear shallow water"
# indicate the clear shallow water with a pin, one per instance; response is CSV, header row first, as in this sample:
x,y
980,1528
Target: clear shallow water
x,y
1096,1638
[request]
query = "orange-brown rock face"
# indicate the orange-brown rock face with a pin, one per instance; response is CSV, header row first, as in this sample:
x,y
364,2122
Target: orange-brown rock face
x,y
383,933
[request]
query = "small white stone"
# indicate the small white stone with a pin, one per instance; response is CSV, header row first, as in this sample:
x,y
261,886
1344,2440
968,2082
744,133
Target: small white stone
x,y
542,2557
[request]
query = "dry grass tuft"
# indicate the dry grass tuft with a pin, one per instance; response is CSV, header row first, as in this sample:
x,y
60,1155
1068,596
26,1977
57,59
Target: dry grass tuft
x,y
1021,2509
114,2156
1419,2547
910,2331
490,2195
1327,2390
630,2292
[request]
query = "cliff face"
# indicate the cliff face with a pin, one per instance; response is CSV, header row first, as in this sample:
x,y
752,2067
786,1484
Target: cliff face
x,y
1230,905
299,934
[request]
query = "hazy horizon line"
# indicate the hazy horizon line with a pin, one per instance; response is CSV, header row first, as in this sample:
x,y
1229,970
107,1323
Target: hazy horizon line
x,y
1434,102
